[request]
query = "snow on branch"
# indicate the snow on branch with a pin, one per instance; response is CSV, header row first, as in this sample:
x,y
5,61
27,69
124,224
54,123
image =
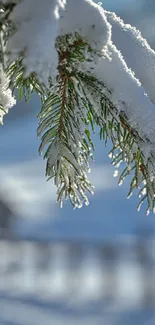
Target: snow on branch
x,y
136,52
89,68
36,29
6,98
88,19
126,92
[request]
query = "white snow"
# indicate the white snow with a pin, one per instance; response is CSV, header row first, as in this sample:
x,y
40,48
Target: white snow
x,y
88,19
37,26
136,52
6,98
126,92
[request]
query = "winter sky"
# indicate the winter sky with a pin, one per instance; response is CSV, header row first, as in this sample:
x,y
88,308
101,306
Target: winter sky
x,y
24,185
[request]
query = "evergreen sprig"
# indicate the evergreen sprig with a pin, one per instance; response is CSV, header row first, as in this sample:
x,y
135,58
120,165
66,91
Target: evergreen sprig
x,y
75,102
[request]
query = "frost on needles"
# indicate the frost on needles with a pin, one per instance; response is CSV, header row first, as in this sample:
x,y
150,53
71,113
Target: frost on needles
x,y
89,68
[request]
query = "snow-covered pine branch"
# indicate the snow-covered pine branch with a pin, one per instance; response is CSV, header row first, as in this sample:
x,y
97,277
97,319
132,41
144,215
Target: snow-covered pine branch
x,y
86,65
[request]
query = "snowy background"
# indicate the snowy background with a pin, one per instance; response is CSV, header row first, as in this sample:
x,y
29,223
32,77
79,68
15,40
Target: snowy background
x,y
109,215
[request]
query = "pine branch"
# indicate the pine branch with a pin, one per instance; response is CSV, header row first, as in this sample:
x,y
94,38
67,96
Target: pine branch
x,y
75,102
66,156
127,144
